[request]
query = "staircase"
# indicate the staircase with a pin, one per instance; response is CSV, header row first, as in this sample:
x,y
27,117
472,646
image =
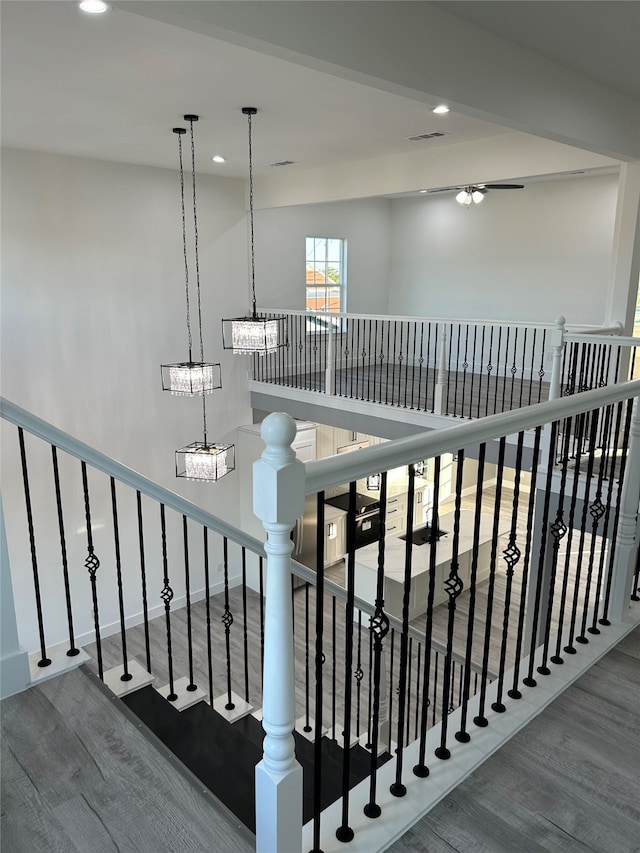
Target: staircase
x,y
216,750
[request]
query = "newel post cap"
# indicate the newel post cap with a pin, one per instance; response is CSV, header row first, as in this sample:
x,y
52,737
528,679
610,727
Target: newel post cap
x,y
278,477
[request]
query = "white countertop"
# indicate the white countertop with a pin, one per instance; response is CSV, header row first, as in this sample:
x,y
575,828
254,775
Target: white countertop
x,y
395,548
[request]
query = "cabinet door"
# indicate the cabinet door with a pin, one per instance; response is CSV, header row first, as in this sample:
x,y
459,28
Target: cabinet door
x,y
396,520
419,508
334,539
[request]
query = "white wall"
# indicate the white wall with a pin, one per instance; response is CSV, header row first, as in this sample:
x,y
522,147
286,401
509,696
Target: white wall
x,y
280,251
92,304
528,254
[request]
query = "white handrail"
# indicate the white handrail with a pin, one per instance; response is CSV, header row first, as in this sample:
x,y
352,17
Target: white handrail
x,y
63,441
400,318
613,329
336,470
601,338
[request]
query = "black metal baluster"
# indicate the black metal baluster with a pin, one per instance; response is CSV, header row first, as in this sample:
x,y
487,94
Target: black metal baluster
x,y
609,477
449,373
143,580
344,832
489,372
455,387
462,735
245,627
167,595
473,370
356,363
541,368
92,564
375,361
511,556
506,365
596,510
227,621
401,358
420,769
531,369
207,594
72,651
418,671
427,370
586,508
334,673
392,645
495,396
126,675
397,788
191,687
353,352
319,660
514,693
564,460
480,719
413,367
529,680
522,370
386,399
408,711
465,365
307,686
434,703
380,629
359,673
481,371
370,697
604,619
44,660
514,369
453,586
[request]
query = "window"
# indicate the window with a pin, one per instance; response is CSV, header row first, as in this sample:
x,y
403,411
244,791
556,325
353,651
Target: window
x,y
325,274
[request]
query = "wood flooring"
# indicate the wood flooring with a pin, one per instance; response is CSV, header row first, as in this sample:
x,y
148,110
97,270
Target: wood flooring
x,y
79,776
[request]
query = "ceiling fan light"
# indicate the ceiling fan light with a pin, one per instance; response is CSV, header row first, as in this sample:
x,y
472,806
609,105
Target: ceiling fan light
x,y
464,197
477,196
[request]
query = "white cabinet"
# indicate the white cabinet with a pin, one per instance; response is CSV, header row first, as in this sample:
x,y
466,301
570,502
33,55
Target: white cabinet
x,y
396,520
334,539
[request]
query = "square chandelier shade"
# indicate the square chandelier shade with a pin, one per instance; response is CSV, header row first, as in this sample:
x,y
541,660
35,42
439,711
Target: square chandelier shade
x,y
189,378
260,335
205,462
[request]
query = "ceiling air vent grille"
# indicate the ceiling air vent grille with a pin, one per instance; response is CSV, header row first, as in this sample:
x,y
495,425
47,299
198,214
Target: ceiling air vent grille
x,y
283,163
421,137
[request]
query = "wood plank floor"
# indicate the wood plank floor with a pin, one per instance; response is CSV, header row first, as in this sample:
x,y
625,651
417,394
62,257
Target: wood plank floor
x,y
569,781
78,776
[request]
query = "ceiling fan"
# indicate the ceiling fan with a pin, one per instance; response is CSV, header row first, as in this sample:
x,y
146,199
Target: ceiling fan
x,y
474,193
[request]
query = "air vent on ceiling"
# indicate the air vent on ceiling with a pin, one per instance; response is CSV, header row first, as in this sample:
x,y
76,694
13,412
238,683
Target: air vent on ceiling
x,y
283,163
421,137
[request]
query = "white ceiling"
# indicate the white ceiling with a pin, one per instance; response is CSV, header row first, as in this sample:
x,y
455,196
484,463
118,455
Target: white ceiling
x,y
112,87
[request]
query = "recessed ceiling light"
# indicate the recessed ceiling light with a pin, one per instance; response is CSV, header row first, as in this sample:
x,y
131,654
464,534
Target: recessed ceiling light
x,y
441,109
218,158
93,7
424,191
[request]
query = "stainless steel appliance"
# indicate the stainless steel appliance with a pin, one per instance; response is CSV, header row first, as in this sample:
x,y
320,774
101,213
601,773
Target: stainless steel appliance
x,y
367,516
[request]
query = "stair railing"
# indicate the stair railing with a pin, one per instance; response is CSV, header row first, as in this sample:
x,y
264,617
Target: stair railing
x,y
130,554
508,594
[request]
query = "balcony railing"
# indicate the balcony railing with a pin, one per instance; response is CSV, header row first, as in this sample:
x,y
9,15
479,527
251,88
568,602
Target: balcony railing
x,y
463,369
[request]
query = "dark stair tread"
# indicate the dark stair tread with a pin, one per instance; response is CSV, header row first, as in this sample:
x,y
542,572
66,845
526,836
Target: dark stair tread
x,y
214,749
205,742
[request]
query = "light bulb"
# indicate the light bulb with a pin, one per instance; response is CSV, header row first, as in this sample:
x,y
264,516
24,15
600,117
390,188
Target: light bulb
x,y
93,7
441,109
464,197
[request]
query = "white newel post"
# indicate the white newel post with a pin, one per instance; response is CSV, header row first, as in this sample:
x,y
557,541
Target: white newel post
x,y
557,344
14,661
624,558
439,390
329,371
278,500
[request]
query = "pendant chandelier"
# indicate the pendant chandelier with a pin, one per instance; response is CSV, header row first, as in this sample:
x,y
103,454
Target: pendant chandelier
x,y
253,334
201,460
189,378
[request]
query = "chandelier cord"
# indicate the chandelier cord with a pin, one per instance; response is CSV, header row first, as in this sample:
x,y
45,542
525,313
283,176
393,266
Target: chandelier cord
x,y
179,131
253,253
191,119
